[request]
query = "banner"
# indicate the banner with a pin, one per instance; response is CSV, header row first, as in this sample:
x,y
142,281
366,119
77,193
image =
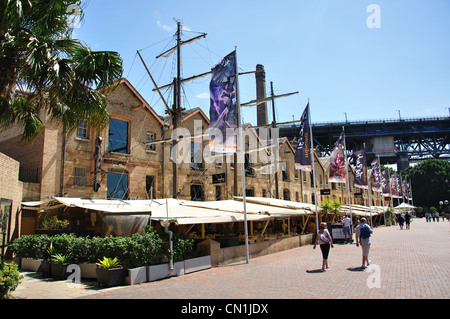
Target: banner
x,y
222,113
399,187
337,162
376,171
303,151
404,188
393,181
385,183
361,169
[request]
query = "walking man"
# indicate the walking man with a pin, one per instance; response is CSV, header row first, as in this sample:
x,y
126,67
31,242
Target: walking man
x,y
346,224
363,233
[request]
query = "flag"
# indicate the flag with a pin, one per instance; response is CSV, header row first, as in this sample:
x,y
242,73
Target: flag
x,y
222,113
303,152
337,162
393,182
404,188
361,169
385,183
398,183
376,185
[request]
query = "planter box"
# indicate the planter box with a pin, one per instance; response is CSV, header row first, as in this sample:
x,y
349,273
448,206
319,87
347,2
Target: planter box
x,y
136,275
30,264
197,264
46,269
88,270
111,277
156,272
59,271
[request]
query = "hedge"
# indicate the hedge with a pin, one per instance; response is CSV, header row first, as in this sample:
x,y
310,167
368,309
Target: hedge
x,y
137,250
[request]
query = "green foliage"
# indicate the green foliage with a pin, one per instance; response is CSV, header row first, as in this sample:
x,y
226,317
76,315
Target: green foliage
x,y
61,259
65,77
9,279
150,248
53,223
31,246
326,206
430,182
109,263
182,247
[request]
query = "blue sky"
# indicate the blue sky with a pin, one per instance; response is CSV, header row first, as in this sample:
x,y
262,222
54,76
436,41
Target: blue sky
x,y
323,48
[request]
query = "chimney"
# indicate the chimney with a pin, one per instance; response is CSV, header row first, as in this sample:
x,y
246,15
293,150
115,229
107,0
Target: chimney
x,y
261,109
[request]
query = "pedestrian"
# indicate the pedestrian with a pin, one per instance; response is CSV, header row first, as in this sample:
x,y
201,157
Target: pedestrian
x,y
363,233
325,241
407,220
346,225
400,220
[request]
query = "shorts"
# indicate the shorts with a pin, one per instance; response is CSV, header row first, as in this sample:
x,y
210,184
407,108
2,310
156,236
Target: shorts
x,y
365,250
347,231
325,248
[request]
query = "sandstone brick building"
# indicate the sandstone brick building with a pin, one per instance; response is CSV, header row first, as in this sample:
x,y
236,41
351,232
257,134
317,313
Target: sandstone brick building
x,y
137,161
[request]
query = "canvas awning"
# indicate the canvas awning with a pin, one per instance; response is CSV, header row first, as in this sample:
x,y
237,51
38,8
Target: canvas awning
x,y
361,210
252,208
183,212
106,205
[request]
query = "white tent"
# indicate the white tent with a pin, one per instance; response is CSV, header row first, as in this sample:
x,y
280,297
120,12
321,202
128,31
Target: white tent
x,y
404,207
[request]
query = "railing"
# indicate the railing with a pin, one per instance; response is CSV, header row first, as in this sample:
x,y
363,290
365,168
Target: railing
x,y
377,121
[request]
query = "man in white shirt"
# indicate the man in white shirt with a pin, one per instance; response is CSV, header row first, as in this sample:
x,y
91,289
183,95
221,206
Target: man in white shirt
x,y
346,224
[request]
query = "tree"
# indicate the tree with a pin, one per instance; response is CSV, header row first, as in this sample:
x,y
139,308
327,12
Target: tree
x,y
430,182
42,69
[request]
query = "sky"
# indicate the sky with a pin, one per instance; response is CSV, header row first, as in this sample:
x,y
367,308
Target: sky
x,y
350,59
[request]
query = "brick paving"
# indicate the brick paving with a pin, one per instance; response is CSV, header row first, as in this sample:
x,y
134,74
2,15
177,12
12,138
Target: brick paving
x,y
405,264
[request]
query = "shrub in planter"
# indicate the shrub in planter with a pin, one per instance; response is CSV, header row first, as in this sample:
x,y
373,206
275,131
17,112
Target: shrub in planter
x,y
9,279
59,266
110,273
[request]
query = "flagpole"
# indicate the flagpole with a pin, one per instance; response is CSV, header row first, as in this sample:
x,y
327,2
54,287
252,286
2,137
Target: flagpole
x,y
241,143
369,190
313,166
347,179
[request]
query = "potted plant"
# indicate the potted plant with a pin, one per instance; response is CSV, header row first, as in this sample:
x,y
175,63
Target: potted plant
x,y
110,272
46,264
59,266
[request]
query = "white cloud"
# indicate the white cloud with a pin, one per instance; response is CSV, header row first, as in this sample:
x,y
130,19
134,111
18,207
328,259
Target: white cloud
x,y
202,96
172,28
165,26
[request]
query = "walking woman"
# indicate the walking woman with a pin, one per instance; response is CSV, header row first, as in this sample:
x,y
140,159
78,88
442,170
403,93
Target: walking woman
x,y
324,239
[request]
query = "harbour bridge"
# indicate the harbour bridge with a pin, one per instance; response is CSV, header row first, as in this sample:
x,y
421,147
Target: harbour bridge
x,y
397,141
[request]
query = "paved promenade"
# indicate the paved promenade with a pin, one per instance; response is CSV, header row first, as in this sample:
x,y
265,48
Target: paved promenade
x,y
405,264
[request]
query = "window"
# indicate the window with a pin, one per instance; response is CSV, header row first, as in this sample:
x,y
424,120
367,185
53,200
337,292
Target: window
x,y
247,166
218,193
118,136
79,176
117,184
150,137
284,171
196,155
150,186
286,194
82,129
197,193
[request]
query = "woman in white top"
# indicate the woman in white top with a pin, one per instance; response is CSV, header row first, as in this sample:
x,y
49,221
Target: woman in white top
x,y
324,239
